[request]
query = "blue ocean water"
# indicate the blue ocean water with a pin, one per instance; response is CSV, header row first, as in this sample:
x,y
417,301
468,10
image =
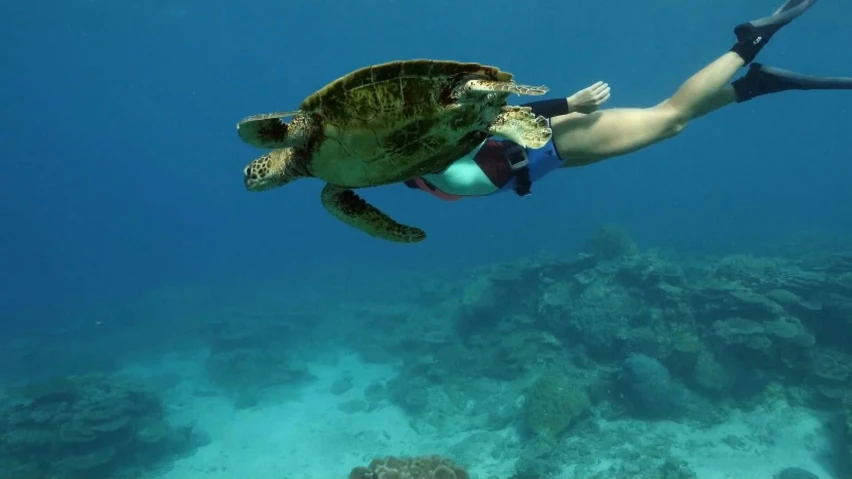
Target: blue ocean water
x,y
126,228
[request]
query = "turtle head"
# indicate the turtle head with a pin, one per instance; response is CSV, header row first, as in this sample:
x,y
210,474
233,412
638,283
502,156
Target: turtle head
x,y
274,169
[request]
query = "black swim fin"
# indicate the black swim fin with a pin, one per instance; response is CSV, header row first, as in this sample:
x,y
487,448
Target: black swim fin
x,y
754,35
762,80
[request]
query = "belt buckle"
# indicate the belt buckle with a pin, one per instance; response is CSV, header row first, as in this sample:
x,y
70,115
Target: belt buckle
x,y
513,152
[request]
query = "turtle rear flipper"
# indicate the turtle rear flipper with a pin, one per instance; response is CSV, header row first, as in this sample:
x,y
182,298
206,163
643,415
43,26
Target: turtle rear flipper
x,y
266,130
351,209
519,124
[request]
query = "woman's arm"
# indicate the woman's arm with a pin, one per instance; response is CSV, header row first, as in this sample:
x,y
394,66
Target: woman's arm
x,y
584,101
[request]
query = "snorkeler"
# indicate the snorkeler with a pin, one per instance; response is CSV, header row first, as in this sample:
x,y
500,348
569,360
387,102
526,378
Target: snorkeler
x,y
582,137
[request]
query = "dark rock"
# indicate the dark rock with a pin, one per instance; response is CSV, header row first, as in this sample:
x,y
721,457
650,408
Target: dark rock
x,y
341,386
796,473
648,387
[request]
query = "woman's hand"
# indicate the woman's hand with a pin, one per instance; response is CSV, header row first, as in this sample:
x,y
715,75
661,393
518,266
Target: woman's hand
x,y
589,99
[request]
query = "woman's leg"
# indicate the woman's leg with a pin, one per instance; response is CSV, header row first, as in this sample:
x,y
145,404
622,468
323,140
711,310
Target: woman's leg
x,y
580,140
584,139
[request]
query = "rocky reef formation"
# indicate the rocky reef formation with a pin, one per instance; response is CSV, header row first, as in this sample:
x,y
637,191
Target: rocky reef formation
x,y
87,427
846,437
419,467
547,363
253,355
552,405
629,334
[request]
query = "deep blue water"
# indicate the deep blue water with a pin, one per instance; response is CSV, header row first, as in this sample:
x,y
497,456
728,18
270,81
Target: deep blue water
x,y
121,167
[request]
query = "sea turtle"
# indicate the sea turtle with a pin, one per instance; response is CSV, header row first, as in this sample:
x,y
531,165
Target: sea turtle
x,y
385,124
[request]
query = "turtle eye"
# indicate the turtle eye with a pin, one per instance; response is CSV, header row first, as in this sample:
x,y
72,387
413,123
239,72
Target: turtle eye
x,y
246,171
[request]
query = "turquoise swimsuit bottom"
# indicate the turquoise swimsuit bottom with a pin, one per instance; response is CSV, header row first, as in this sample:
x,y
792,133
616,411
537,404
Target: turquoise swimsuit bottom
x,y
477,175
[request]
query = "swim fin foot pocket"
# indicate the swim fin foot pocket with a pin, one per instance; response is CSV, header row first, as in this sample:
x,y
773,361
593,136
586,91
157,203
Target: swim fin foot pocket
x,y
754,35
762,80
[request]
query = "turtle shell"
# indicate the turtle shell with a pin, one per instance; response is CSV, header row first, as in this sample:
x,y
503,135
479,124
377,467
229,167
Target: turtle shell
x,y
394,121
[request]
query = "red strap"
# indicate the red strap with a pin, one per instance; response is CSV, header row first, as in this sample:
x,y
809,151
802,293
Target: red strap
x,y
439,194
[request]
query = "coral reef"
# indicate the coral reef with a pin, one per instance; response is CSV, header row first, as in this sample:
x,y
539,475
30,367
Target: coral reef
x,y
668,469
723,327
629,334
421,467
552,405
248,358
550,361
610,242
846,436
87,427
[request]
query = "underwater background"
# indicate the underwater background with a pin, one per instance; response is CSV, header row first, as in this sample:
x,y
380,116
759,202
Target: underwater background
x,y
684,311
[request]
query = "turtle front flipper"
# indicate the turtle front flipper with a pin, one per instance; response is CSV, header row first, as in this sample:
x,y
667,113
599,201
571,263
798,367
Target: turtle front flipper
x,y
519,124
267,130
351,209
473,88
